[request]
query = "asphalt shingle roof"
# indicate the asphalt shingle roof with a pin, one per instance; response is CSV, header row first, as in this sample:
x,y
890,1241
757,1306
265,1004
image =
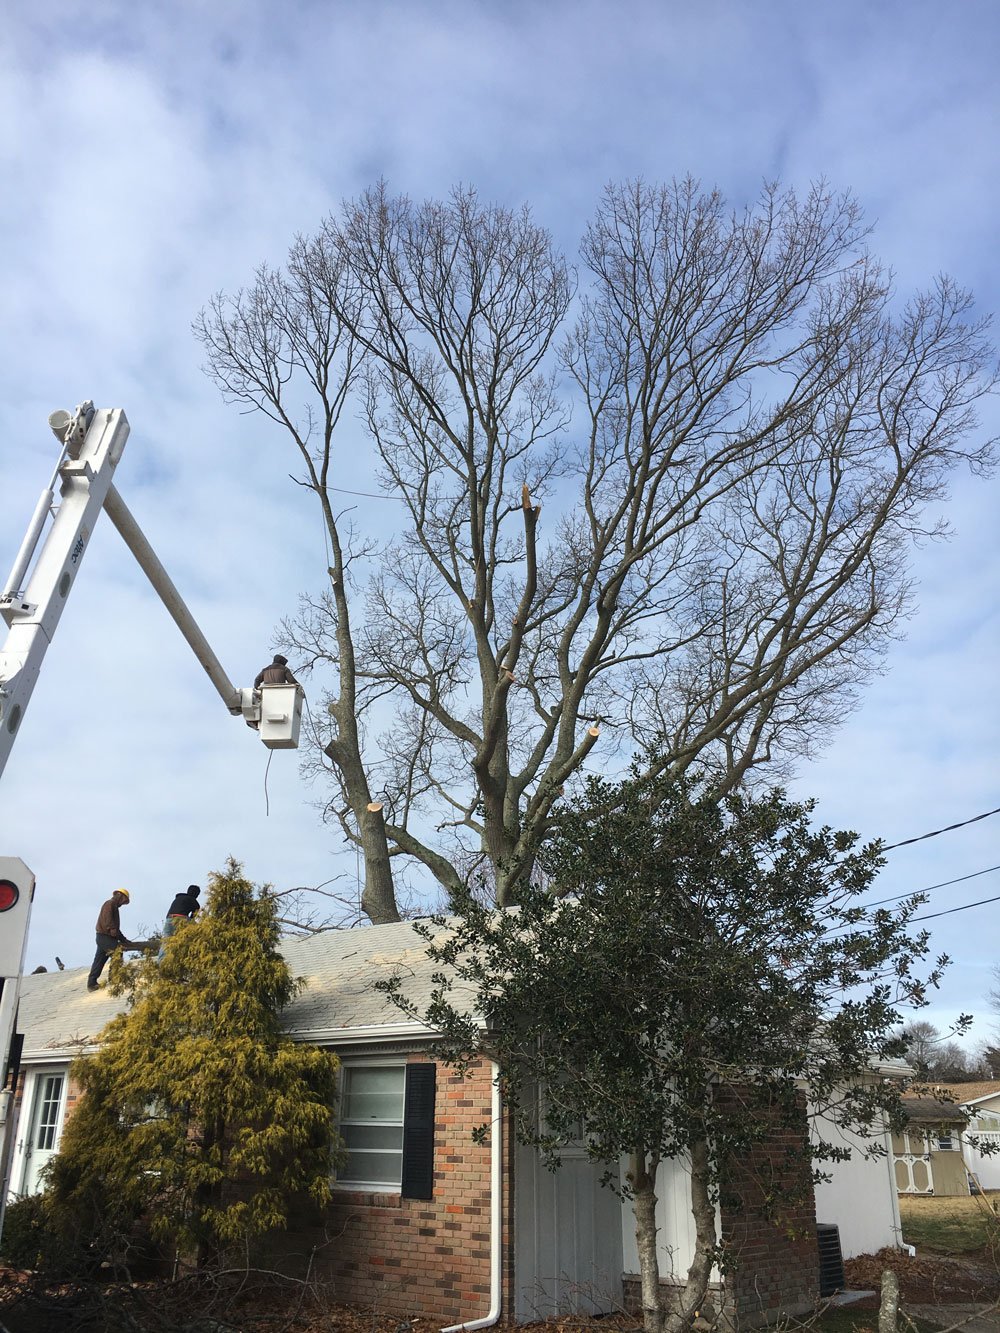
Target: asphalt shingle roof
x,y
931,1109
337,1003
970,1092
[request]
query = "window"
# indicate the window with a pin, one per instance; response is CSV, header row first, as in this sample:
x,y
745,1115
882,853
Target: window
x,y
371,1123
387,1124
49,1099
946,1141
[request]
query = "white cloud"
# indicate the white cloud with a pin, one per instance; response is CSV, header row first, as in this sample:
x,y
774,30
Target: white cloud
x,y
153,155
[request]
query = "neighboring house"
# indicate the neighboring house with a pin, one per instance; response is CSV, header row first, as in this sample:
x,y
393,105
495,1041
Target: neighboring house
x,y
928,1153
424,1219
981,1102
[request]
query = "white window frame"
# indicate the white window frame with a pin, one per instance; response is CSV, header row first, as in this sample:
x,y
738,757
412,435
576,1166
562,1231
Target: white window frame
x,y
371,1186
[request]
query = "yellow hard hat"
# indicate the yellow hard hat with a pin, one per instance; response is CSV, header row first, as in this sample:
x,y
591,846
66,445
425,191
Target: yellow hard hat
x,y
125,894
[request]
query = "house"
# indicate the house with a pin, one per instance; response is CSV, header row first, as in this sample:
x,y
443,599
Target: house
x,y
981,1143
981,1100
425,1219
927,1155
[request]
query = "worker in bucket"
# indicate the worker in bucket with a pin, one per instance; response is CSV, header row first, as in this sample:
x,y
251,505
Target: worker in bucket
x,y
275,674
109,934
183,908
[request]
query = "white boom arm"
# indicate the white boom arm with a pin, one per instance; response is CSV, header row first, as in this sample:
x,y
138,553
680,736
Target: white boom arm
x,y
92,443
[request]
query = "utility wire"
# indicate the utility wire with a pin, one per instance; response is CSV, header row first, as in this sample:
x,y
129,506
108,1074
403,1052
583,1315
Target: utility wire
x,y
928,916
913,893
948,910
934,833
930,887
370,495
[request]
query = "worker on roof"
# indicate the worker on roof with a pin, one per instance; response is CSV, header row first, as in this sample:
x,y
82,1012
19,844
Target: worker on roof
x,y
276,673
183,908
109,934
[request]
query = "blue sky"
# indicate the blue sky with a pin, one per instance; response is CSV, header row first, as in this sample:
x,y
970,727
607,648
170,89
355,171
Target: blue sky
x,y
154,155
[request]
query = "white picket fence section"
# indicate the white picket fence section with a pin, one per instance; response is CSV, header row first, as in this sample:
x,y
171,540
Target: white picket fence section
x,y
986,1166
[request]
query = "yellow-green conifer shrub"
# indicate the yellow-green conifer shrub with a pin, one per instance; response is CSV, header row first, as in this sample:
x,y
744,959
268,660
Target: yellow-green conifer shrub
x,y
198,1115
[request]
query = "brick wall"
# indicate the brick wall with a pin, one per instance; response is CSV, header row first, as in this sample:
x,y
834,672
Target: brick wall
x,y
416,1256
769,1226
432,1257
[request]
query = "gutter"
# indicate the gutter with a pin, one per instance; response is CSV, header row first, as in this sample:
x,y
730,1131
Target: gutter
x,y
496,1215
354,1036
369,1032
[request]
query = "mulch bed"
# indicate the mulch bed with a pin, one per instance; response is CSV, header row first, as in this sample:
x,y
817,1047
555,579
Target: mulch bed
x,y
929,1279
27,1305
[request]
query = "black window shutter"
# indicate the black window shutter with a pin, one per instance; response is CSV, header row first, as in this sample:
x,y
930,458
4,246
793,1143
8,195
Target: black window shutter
x,y
14,1060
418,1133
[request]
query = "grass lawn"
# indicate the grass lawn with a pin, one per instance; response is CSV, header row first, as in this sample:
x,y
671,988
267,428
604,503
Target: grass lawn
x,y
948,1226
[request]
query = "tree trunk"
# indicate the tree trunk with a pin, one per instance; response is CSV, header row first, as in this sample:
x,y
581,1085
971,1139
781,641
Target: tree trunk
x,y
692,1298
208,1196
378,900
643,1181
888,1310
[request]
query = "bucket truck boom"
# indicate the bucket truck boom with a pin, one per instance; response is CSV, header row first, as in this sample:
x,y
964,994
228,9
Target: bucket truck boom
x,y
33,598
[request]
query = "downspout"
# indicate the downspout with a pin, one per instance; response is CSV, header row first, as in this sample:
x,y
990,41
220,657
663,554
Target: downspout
x,y
496,1214
897,1221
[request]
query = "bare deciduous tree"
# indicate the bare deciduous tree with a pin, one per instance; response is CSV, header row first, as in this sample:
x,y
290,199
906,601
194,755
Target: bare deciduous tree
x,y
934,1055
735,426
994,995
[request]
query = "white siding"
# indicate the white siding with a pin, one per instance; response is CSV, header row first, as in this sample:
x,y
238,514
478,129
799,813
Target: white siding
x,y
985,1105
987,1168
861,1196
675,1232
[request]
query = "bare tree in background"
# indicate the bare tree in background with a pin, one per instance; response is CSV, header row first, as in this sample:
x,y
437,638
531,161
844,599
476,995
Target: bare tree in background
x,y
934,1055
736,430
922,1039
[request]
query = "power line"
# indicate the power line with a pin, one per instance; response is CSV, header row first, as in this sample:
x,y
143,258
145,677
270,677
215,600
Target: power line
x,y
928,916
948,910
934,833
931,887
369,495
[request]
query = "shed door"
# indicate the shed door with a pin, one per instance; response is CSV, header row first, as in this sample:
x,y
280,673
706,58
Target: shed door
x,y
44,1125
912,1165
567,1239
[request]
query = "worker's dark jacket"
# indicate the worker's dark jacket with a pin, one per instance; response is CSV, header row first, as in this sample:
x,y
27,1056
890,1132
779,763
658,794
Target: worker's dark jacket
x,y
185,904
108,922
274,675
